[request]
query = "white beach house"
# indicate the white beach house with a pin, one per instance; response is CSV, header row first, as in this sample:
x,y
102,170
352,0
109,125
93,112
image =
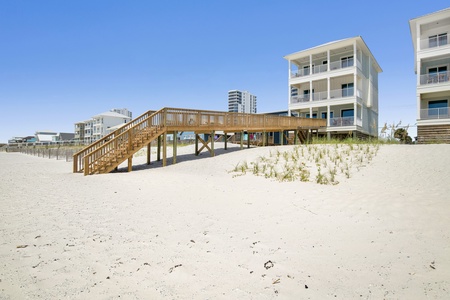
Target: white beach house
x,y
92,130
432,63
337,81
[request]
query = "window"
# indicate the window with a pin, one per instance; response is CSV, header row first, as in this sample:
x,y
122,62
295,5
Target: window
x,y
346,62
437,74
294,92
437,70
314,115
437,40
438,107
347,90
324,115
346,113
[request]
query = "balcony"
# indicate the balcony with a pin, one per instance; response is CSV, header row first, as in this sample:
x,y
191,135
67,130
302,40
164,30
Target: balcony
x,y
336,65
434,113
434,78
341,93
434,42
321,96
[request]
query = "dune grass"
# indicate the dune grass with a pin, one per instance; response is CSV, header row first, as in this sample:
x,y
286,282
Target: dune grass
x,y
319,162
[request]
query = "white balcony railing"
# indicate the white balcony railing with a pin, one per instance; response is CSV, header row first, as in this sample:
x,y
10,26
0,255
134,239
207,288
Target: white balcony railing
x,y
342,93
299,99
341,121
320,96
434,78
320,69
434,113
433,42
335,65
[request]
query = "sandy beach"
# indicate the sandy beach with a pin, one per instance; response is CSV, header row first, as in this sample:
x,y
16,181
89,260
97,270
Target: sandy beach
x,y
196,230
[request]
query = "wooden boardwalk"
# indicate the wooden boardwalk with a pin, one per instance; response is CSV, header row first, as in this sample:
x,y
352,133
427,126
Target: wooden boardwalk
x,y
106,154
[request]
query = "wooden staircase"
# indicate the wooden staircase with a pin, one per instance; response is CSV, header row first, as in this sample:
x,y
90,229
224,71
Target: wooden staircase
x,y
108,153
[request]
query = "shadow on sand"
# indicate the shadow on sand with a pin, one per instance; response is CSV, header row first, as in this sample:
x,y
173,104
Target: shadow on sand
x,y
180,159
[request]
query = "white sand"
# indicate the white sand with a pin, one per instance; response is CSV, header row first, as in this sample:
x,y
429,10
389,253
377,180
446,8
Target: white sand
x,y
195,231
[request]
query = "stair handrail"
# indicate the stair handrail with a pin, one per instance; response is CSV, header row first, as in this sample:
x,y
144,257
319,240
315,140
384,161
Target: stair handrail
x,y
78,157
123,138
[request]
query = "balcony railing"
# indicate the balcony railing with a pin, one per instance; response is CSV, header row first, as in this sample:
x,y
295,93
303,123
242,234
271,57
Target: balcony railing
x,y
434,113
342,121
434,78
342,93
299,99
335,65
320,96
433,42
320,69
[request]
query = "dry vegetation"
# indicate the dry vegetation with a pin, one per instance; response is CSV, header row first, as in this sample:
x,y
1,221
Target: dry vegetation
x,y
320,163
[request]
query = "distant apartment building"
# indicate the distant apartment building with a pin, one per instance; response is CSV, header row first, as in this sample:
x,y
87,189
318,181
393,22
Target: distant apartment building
x,y
241,101
100,125
337,81
432,63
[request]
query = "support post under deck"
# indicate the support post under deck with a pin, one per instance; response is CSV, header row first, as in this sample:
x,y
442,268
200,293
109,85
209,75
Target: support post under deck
x,y
212,143
225,137
158,152
130,163
164,149
175,145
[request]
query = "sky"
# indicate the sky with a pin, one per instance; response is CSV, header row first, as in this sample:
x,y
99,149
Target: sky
x,y
63,62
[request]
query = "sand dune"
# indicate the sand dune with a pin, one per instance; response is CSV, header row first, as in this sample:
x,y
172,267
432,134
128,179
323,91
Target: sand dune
x,y
195,230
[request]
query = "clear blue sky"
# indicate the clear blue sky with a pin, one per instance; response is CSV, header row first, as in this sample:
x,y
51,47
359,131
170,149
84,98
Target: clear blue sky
x,y
65,61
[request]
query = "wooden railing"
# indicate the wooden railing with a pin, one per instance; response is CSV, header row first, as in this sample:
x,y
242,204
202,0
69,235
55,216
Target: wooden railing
x,y
104,155
78,157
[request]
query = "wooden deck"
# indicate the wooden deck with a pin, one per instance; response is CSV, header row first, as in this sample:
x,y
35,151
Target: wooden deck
x,y
104,155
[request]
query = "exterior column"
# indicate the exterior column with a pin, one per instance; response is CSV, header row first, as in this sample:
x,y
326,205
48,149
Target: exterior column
x,y
355,113
328,116
328,88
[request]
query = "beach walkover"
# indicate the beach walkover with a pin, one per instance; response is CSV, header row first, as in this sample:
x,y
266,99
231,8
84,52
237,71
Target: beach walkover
x,y
106,154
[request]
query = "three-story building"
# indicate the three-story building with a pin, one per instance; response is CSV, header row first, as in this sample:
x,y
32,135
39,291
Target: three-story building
x,y
337,81
432,64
